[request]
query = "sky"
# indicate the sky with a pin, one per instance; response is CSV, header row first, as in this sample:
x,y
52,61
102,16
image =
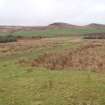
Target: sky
x,y
44,12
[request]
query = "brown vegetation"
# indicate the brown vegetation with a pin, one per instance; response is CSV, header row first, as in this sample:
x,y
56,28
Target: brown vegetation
x,y
94,36
90,56
29,44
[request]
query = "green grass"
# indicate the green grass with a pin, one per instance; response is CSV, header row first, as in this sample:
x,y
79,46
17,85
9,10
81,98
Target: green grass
x,y
56,32
34,86
59,32
24,85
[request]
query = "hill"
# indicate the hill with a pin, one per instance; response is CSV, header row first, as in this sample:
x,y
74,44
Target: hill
x,y
96,26
57,25
62,25
52,30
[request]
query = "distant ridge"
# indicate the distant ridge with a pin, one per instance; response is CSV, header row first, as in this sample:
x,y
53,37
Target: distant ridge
x,y
56,25
62,25
95,25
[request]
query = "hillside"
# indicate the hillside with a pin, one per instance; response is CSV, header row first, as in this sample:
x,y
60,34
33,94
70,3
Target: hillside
x,y
52,30
62,25
96,26
57,25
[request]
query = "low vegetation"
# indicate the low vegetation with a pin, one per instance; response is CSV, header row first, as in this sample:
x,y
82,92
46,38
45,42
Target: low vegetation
x,y
89,57
8,38
34,86
58,32
24,84
94,36
55,32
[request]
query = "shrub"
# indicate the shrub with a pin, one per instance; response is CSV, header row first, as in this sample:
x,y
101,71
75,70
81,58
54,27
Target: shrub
x,y
95,36
8,38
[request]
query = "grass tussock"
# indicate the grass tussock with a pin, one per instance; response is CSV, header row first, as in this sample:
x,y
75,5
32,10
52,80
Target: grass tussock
x,y
89,56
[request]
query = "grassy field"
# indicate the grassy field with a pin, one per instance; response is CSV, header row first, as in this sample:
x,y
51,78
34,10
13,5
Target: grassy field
x,y
59,32
27,85
56,32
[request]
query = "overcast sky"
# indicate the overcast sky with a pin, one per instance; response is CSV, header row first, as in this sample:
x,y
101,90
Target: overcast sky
x,y
43,12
